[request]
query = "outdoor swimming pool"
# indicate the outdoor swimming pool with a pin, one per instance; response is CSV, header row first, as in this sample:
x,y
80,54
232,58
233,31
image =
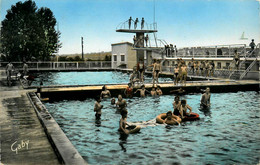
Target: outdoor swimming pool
x,y
85,78
226,134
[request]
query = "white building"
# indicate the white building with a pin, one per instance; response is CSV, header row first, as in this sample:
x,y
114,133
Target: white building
x,y
123,55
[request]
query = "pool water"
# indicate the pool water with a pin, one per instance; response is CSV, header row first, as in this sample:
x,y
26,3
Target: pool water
x,y
85,78
228,133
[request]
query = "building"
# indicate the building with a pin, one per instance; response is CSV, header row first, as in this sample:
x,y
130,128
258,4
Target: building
x,y
123,55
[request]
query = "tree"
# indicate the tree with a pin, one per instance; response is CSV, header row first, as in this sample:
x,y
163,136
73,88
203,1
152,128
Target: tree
x,y
28,33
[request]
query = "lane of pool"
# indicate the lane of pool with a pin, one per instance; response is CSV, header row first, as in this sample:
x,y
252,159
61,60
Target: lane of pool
x,y
227,134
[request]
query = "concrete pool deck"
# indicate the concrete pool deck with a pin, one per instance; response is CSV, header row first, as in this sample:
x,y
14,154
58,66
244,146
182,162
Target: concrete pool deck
x,y
23,137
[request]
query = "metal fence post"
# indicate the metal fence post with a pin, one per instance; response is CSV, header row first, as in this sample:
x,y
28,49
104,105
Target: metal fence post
x,y
216,51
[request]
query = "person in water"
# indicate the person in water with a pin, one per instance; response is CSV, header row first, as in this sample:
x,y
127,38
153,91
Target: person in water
x,y
129,91
205,99
97,108
176,106
171,118
153,92
121,103
142,91
113,101
159,91
156,71
183,109
105,93
122,122
178,91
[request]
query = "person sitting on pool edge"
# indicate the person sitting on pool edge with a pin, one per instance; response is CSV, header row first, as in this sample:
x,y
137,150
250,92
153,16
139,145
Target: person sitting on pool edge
x,y
153,92
142,91
129,91
183,109
105,93
122,123
205,99
97,108
176,106
171,118
159,91
121,103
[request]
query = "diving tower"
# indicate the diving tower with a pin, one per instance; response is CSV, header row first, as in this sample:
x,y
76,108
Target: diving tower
x,y
141,39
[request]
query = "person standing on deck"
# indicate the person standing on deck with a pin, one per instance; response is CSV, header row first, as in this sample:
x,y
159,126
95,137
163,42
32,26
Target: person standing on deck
x,y
176,73
129,22
205,99
192,65
202,67
146,38
175,50
25,69
141,69
252,45
136,21
184,74
142,23
134,39
236,59
212,68
207,66
156,71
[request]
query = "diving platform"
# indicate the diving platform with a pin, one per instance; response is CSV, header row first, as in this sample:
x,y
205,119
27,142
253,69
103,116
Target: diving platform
x,y
136,31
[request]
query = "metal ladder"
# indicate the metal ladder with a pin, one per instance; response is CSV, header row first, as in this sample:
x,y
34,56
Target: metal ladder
x,y
243,62
248,69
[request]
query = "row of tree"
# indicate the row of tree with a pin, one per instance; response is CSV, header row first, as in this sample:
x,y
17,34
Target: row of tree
x,y
29,33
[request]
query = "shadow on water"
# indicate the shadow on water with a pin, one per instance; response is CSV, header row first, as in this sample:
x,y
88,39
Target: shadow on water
x,y
123,141
206,111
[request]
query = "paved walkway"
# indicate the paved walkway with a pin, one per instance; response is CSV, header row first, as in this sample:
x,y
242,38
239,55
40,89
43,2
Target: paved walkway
x,y
22,136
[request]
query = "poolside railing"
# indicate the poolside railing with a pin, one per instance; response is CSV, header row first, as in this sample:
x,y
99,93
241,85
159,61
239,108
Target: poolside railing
x,y
61,65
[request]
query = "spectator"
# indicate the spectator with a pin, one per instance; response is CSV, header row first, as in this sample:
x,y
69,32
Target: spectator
x,y
252,45
129,22
136,21
142,23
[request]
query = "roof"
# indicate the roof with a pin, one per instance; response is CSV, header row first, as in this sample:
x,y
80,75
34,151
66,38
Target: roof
x,y
122,43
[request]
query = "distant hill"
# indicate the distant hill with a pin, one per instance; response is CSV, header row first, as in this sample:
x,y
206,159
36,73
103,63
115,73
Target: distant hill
x,y
97,56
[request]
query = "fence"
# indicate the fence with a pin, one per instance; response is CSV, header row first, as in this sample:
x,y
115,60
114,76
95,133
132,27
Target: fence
x,y
61,65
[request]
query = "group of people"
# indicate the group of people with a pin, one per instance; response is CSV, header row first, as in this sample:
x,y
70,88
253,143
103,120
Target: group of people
x,y
130,20
180,107
170,50
139,42
10,71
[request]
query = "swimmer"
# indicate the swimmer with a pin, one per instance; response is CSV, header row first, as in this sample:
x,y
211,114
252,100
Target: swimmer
x,y
129,91
97,108
159,91
142,91
113,101
176,106
122,122
153,92
121,103
105,92
183,109
171,118
205,99
178,91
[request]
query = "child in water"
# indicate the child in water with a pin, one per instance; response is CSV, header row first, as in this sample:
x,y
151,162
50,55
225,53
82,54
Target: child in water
x,y
142,91
97,108
170,118
183,109
121,103
129,91
153,92
122,122
158,91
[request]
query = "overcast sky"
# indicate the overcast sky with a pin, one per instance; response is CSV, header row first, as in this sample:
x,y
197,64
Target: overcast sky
x,y
181,22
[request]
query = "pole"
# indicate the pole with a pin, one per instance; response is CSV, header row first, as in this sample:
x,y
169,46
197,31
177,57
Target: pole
x,y
82,54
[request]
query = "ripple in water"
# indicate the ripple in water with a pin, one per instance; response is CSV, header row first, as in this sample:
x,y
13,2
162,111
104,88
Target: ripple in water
x,y
226,134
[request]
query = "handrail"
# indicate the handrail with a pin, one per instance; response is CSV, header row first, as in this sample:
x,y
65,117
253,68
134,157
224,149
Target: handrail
x,y
247,70
246,57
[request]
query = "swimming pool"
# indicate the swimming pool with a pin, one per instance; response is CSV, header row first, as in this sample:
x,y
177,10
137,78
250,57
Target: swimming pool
x,y
85,78
227,134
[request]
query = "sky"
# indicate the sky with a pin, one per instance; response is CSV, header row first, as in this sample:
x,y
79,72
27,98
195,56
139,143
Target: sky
x,y
184,23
